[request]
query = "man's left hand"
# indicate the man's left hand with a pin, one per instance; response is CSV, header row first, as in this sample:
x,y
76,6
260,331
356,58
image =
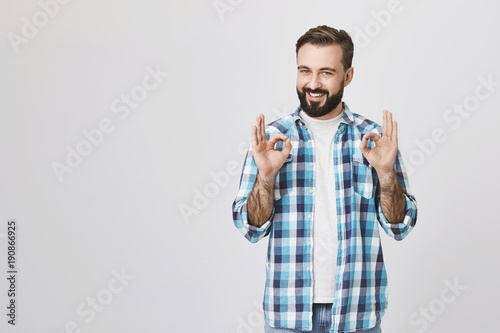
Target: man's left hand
x,y
383,155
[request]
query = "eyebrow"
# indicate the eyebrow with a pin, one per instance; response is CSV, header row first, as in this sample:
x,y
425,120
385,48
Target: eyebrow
x,y
321,69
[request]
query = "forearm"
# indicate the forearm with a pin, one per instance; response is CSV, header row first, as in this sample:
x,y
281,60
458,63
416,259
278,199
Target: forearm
x,y
261,200
392,198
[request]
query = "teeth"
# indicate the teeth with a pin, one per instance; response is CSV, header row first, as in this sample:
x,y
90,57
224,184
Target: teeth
x,y
316,95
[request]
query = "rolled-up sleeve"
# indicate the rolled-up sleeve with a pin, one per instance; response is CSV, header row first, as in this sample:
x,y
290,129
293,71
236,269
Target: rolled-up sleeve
x,y
240,208
398,231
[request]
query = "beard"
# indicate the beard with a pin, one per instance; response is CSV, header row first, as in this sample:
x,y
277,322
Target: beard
x,y
313,109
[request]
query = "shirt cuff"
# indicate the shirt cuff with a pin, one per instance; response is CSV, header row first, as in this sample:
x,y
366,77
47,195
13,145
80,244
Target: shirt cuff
x,y
251,232
400,230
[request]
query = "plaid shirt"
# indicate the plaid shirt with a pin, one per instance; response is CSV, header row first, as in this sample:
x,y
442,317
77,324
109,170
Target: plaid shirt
x,y
361,282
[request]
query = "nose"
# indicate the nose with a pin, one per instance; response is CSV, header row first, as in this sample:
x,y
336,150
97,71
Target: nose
x,y
315,82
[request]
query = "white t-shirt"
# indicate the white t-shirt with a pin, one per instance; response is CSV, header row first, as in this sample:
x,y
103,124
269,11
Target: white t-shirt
x,y
325,238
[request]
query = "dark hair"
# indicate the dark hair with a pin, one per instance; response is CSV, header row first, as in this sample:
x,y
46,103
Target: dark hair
x,y
325,35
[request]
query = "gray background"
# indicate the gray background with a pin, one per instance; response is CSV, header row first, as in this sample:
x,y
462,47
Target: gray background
x,y
120,208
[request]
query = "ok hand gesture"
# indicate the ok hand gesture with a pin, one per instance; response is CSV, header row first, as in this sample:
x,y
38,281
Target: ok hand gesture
x,y
267,159
383,155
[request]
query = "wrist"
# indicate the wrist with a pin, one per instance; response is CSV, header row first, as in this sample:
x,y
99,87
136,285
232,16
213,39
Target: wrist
x,y
386,176
267,178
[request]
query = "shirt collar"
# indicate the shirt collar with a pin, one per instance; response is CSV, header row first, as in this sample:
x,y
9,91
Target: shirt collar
x,y
347,117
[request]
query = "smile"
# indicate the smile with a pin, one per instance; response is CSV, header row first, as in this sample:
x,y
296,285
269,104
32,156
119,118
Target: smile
x,y
315,97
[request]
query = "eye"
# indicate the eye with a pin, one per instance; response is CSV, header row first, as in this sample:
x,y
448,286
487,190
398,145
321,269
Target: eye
x,y
327,73
304,71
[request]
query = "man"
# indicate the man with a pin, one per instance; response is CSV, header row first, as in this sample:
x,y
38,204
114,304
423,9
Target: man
x,y
319,182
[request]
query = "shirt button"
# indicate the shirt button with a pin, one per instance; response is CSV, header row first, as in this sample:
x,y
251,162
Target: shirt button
x,y
311,191
311,164
309,141
309,243
309,216
308,268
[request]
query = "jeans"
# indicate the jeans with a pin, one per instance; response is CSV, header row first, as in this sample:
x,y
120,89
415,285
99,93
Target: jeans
x,y
322,320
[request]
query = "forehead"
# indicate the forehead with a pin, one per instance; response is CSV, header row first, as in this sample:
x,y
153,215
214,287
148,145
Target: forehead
x,y
319,56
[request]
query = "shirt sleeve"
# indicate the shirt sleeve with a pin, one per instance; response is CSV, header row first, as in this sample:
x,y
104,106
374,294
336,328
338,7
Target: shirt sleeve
x,y
240,208
398,231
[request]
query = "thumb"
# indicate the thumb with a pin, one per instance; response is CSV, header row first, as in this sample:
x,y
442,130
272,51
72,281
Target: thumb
x,y
363,145
288,147
364,142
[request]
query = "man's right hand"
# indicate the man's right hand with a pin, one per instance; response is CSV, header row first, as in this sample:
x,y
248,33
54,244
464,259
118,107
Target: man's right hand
x,y
268,160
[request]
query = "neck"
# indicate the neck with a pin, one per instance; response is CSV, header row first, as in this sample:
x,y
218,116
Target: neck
x,y
332,114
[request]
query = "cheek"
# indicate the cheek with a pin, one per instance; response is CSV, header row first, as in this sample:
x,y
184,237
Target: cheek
x,y
300,83
333,87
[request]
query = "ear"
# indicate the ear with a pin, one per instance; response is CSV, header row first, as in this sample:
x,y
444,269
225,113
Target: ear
x,y
348,76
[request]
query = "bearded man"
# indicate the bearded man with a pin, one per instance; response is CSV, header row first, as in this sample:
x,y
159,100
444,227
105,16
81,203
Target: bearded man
x,y
319,182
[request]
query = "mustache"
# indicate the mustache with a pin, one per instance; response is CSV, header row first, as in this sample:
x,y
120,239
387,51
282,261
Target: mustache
x,y
315,91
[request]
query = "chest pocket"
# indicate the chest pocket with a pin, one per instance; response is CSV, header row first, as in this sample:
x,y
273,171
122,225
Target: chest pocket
x,y
364,179
283,183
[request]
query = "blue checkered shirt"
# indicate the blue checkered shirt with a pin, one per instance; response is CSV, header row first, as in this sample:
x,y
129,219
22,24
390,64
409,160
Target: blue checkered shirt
x,y
361,282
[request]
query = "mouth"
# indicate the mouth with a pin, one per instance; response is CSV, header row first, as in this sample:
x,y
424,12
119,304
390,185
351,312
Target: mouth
x,y
315,97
